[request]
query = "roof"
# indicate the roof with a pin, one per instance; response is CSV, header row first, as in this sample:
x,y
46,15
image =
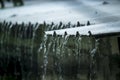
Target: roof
x,y
99,29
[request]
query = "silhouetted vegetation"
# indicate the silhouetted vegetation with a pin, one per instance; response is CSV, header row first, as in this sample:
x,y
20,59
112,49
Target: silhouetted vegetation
x,y
15,3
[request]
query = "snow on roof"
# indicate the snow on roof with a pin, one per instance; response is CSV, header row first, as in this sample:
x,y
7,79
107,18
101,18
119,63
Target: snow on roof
x,y
106,28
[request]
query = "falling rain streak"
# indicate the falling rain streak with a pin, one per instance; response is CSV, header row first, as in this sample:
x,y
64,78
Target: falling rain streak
x,y
27,53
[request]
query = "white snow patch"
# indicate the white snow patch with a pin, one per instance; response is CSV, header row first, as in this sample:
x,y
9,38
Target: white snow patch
x,y
95,29
65,11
